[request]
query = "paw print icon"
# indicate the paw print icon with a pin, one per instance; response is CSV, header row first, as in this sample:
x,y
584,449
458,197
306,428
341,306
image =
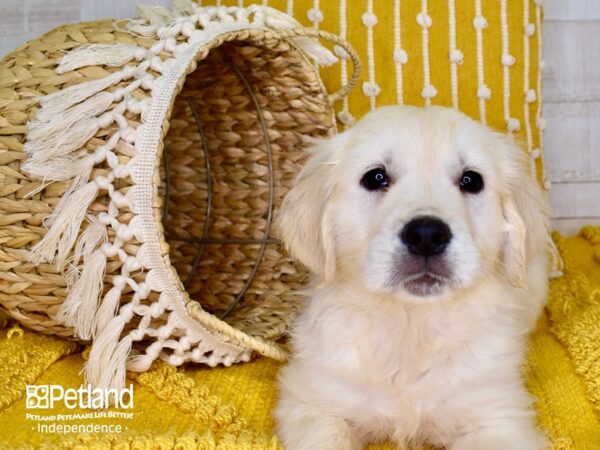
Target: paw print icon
x,y
37,397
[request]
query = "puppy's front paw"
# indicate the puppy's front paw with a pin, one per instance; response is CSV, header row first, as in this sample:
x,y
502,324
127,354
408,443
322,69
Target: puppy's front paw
x,y
503,436
300,427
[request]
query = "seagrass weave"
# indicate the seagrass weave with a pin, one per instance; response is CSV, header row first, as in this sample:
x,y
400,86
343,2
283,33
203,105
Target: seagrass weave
x,y
142,164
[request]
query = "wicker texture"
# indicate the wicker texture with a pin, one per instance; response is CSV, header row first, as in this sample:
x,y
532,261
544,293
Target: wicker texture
x,y
232,144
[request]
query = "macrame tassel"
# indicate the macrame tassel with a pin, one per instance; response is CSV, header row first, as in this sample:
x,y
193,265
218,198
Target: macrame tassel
x,y
55,103
92,237
107,310
79,308
141,27
156,15
105,367
96,55
184,6
61,169
316,51
277,19
64,224
63,142
45,126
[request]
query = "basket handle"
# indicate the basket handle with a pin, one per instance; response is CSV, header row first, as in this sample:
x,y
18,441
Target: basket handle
x,y
336,40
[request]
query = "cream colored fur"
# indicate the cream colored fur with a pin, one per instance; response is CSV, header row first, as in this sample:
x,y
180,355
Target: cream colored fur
x,y
373,362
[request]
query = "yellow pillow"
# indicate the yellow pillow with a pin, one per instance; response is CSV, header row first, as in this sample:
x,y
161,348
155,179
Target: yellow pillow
x,y
481,56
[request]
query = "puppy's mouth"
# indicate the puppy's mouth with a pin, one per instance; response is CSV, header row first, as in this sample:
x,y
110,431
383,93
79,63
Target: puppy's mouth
x,y
424,284
422,277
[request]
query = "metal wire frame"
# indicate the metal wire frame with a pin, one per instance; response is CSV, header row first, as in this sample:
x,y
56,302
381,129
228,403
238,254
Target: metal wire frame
x,y
204,240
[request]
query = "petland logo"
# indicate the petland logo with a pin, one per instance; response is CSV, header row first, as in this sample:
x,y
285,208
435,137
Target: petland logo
x,y
45,396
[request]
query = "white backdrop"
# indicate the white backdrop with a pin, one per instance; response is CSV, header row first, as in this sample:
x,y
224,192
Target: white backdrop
x,y
572,87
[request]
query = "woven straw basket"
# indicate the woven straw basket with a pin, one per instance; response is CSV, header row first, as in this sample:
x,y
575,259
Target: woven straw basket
x,y
141,165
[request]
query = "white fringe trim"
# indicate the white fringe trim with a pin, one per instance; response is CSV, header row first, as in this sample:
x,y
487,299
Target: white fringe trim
x,y
97,55
56,144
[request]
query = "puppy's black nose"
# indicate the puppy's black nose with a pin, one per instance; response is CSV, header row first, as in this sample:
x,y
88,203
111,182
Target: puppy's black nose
x,y
426,236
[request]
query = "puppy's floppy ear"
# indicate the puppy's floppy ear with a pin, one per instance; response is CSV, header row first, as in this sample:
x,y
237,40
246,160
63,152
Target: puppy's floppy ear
x,y
526,214
304,221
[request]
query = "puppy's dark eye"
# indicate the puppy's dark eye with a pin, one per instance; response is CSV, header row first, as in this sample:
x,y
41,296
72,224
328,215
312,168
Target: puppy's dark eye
x,y
471,182
375,179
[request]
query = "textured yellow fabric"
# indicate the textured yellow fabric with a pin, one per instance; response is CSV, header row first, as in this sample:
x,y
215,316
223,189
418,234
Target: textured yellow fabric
x,y
230,408
428,55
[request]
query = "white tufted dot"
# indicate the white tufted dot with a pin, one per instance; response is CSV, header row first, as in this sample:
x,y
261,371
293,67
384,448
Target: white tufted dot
x,y
541,123
102,182
400,56
530,96
542,65
484,92
315,15
371,89
530,29
535,153
428,91
111,251
547,184
341,52
369,19
424,19
480,22
456,56
346,118
513,124
245,357
508,59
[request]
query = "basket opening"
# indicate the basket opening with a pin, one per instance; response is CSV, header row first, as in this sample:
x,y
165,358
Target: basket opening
x,y
233,149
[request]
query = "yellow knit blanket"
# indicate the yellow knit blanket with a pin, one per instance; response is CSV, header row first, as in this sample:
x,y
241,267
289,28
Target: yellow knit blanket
x,y
229,408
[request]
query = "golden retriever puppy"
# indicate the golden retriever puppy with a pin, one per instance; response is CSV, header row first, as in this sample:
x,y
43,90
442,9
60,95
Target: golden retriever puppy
x,y
427,234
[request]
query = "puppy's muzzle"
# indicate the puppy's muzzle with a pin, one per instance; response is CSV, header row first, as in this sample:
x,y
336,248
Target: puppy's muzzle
x,y
426,236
